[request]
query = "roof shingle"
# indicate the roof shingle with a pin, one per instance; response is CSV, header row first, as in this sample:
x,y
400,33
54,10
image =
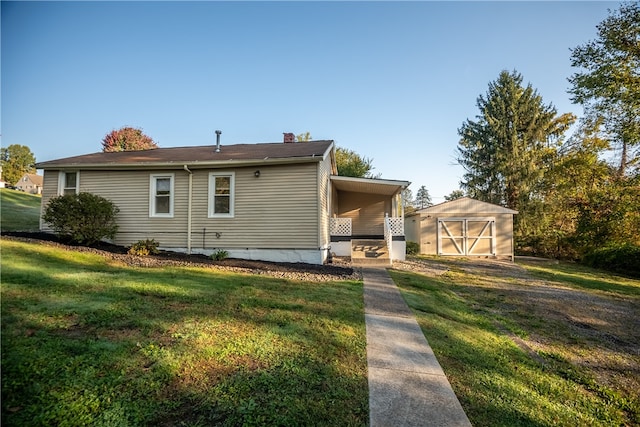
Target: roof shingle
x,y
205,155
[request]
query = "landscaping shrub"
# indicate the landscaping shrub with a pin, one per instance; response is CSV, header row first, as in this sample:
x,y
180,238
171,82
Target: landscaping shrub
x,y
623,258
413,248
219,255
82,218
144,248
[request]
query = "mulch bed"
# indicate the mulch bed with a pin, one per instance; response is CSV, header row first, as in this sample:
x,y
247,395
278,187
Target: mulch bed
x,y
296,271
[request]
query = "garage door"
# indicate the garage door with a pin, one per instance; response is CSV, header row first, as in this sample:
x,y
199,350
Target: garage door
x,y
466,236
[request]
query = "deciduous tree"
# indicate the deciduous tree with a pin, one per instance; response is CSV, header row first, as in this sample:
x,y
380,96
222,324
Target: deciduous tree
x,y
407,201
608,83
127,139
16,161
304,137
350,163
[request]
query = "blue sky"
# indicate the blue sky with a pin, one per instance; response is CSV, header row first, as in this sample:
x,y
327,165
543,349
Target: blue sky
x,y
391,81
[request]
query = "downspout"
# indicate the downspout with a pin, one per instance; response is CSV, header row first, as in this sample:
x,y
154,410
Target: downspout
x,y
189,209
319,201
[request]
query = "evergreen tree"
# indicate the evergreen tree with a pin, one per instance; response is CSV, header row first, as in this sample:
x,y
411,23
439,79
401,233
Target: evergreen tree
x,y
507,149
455,194
423,198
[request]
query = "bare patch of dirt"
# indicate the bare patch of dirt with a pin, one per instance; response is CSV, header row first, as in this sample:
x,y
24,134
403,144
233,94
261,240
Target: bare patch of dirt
x,y
594,330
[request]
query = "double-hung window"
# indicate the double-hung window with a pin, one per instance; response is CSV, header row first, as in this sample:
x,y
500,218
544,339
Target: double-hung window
x,y
68,183
221,194
161,196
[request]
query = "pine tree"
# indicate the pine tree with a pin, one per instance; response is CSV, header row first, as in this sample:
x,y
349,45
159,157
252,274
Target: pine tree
x,y
423,198
507,149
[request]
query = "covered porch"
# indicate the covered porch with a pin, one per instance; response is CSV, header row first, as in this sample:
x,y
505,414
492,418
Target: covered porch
x,y
367,218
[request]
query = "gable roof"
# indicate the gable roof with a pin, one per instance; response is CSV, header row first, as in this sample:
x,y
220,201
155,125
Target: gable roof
x,y
465,205
34,178
199,156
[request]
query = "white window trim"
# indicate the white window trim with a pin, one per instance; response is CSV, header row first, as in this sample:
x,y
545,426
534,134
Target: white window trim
x,y
152,195
232,194
62,180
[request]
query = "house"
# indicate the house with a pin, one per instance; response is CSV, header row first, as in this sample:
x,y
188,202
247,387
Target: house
x,y
30,183
462,227
267,201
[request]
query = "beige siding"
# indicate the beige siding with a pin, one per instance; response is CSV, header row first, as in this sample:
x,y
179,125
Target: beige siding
x,y
49,190
277,210
412,228
324,188
365,210
129,191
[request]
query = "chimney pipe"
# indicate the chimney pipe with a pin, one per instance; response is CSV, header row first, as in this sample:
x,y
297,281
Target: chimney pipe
x,y
218,132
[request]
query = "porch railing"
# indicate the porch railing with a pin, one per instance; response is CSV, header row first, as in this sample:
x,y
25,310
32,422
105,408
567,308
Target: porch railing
x,y
393,226
340,226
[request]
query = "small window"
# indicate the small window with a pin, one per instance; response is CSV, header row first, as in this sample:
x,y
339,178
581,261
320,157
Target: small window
x,y
161,196
68,183
221,195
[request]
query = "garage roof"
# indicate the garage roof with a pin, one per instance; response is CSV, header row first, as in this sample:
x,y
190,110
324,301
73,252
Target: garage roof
x,y
466,205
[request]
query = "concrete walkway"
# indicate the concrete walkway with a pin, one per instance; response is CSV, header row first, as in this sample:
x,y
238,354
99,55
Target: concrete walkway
x,y
407,386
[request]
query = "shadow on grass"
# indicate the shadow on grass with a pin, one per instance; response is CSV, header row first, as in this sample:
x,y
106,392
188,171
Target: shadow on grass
x,y
497,382
586,278
88,343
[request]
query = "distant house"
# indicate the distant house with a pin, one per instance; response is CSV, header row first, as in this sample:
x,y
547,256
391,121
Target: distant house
x,y
462,227
30,183
269,201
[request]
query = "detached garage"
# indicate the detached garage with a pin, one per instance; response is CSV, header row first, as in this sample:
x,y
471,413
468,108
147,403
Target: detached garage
x,y
462,227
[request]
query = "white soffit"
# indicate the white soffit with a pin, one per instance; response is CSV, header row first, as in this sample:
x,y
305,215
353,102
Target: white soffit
x,y
368,185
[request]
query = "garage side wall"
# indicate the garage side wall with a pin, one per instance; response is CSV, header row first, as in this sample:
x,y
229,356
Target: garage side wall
x,y
412,229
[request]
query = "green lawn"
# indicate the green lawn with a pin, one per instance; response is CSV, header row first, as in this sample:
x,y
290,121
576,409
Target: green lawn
x,y
535,346
86,342
19,211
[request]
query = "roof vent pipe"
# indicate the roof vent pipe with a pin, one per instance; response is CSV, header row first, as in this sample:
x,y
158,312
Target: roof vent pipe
x,y
218,132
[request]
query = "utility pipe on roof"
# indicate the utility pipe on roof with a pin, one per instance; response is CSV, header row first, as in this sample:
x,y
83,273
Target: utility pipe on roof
x,y
218,132
189,209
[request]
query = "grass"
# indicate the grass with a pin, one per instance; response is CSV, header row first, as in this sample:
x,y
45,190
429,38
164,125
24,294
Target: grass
x,y
581,277
19,211
87,342
514,360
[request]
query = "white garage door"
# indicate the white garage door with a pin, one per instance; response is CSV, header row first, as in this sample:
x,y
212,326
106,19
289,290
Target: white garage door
x,y
466,236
